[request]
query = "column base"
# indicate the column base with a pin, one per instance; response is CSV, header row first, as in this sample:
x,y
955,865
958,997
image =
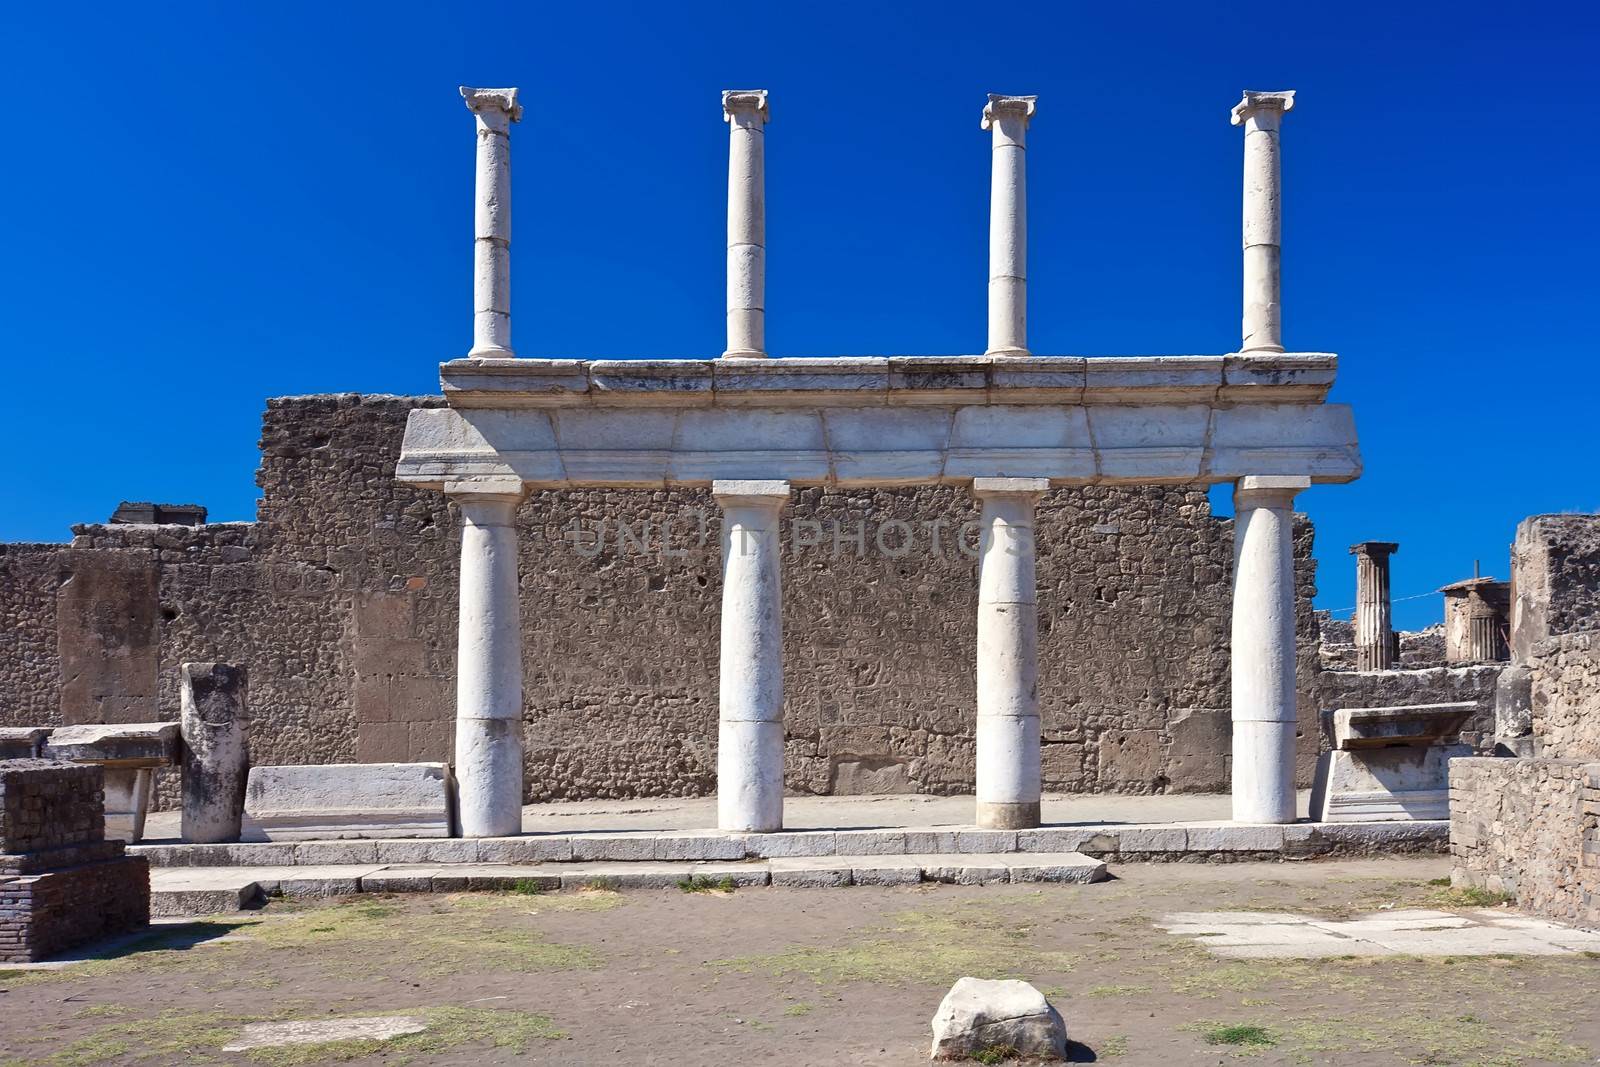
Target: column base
x,y
1273,349
997,815
491,353
744,353
1008,353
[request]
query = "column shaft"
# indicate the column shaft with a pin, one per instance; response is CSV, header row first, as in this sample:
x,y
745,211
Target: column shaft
x,y
1007,118
746,114
750,729
1008,778
1261,115
495,110
1374,631
1263,667
489,669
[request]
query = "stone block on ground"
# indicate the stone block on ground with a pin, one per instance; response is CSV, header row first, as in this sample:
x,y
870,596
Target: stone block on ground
x,y
982,1017
320,802
147,744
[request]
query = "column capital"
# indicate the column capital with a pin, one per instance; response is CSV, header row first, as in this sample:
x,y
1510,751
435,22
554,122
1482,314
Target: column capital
x,y
1375,549
496,108
1000,105
490,503
750,492
746,106
1030,487
1267,108
1267,491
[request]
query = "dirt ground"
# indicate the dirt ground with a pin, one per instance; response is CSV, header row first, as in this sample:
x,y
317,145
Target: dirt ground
x,y
785,976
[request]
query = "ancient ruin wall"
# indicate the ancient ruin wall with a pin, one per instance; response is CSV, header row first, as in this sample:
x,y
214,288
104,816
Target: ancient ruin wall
x,y
30,671
1529,828
341,598
1555,568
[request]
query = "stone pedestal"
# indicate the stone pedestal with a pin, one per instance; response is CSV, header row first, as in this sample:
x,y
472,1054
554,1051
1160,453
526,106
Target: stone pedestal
x,y
62,884
1263,664
750,728
1375,638
1007,118
495,110
215,725
1261,115
1008,779
488,754
746,112
128,753
1389,764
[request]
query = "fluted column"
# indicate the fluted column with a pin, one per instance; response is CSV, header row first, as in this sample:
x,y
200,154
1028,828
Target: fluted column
x,y
495,110
746,113
1374,630
488,761
1261,115
1008,654
750,728
1263,669
1006,117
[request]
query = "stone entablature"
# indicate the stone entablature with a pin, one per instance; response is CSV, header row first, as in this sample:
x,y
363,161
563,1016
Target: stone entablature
x,y
1172,420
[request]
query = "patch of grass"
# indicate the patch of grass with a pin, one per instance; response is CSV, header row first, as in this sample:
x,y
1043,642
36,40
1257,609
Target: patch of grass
x,y
798,1009
937,946
1470,896
448,1029
527,887
371,940
1112,1047
996,1054
697,883
172,1036
600,885
1117,990
101,1011
1246,1034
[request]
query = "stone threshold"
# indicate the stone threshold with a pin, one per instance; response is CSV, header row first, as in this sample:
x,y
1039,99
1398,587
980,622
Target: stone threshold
x,y
1115,842
179,891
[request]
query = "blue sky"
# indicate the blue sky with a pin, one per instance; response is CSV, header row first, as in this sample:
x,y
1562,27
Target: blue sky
x,y
208,205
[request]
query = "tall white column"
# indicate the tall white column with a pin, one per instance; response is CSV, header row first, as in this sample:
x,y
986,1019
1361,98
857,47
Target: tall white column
x,y
489,667
746,112
1008,654
750,732
1007,118
1261,114
1264,649
496,110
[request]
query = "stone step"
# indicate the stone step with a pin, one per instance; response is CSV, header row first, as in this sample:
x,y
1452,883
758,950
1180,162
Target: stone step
x,y
177,891
1114,841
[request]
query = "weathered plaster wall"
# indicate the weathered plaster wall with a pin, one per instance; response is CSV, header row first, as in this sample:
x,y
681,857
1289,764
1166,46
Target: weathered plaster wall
x,y
1529,828
341,599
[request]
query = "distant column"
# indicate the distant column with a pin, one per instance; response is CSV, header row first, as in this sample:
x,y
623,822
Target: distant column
x,y
1374,628
496,110
746,113
750,731
1263,666
1261,115
1008,778
1007,118
214,722
488,763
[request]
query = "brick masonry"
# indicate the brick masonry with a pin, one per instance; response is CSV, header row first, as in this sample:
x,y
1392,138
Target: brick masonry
x,y
341,600
61,883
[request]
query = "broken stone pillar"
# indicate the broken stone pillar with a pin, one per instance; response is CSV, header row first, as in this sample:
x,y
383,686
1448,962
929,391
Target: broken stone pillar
x,y
489,665
746,113
1008,654
1261,115
1263,656
750,728
215,725
1476,621
1373,623
1513,713
1007,117
495,110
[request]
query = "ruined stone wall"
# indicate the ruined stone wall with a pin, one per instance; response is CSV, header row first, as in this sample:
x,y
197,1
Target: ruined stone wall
x,y
1529,828
341,600
1566,695
1431,685
30,670
1555,579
